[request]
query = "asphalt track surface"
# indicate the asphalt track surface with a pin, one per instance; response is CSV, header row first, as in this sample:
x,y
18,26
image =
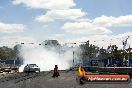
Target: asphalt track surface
x,y
45,80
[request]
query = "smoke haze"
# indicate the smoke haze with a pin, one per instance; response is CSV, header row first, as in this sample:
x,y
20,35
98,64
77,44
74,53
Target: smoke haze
x,y
44,58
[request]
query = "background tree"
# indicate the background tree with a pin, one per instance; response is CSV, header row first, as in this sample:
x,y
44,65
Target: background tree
x,y
7,53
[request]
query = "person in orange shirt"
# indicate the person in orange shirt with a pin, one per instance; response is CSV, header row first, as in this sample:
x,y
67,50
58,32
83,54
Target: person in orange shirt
x,y
82,74
82,71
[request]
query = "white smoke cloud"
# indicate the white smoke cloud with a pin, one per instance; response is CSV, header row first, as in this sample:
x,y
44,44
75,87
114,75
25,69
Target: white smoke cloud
x,y
44,58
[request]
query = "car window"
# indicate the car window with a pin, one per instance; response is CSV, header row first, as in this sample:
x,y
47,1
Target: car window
x,y
33,65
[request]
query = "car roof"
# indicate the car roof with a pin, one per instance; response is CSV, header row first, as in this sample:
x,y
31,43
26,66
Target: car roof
x,y
31,64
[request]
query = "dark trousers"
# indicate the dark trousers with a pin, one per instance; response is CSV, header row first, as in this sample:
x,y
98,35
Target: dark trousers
x,y
56,74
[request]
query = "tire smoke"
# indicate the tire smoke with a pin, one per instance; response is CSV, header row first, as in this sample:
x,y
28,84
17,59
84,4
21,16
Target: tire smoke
x,y
46,59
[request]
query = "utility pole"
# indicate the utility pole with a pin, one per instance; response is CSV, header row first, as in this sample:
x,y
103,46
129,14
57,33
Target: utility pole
x,y
124,46
73,59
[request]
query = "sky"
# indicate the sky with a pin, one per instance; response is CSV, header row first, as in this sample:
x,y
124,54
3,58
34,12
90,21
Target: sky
x,y
66,21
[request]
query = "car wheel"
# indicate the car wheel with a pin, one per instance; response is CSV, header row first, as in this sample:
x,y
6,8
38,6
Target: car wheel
x,y
28,70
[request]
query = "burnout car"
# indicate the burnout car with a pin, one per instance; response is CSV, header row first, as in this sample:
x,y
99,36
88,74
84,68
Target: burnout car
x,y
31,68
